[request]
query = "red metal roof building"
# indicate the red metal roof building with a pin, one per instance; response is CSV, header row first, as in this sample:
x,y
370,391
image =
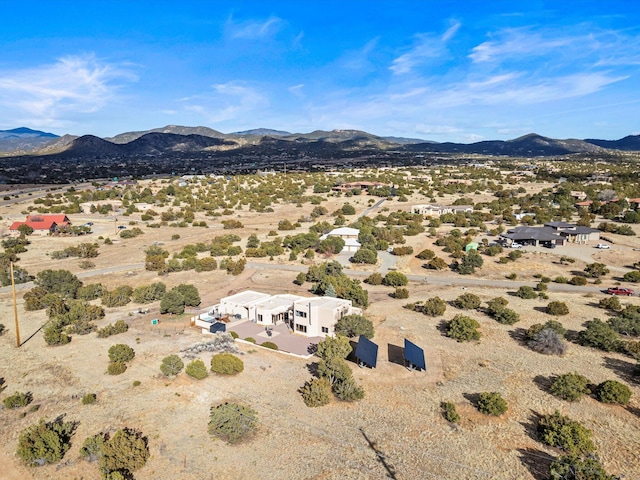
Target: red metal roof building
x,y
43,223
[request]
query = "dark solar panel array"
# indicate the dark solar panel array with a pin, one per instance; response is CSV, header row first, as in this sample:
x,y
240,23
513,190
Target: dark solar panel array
x,y
367,352
414,355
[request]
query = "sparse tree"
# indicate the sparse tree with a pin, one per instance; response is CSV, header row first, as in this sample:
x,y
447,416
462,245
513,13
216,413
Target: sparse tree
x,y
124,453
171,365
354,326
232,422
317,392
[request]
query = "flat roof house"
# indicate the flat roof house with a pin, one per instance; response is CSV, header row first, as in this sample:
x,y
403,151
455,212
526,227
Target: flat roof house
x,y
427,209
308,316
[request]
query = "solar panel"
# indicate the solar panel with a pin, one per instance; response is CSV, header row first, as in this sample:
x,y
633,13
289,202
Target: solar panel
x,y
414,355
367,352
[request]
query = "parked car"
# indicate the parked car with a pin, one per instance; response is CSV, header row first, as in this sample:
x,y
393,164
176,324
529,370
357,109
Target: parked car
x,y
121,227
620,291
515,245
603,246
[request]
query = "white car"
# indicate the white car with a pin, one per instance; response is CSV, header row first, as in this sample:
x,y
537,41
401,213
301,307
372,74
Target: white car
x,y
603,246
515,245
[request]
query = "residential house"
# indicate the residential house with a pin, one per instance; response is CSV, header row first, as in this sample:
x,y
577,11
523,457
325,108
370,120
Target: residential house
x,y
43,224
437,210
348,234
308,316
552,233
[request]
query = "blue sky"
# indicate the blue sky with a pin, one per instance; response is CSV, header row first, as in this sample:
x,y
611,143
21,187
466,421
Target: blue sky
x,y
440,70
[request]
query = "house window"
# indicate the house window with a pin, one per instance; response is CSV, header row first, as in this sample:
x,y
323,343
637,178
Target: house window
x,y
300,313
301,328
325,329
260,318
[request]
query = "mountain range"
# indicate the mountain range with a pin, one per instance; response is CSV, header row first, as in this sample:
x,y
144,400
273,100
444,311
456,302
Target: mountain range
x,y
173,139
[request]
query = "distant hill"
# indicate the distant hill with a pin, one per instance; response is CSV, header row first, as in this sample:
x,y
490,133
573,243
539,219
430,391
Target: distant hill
x,y
175,129
531,145
89,146
264,142
23,140
263,132
628,143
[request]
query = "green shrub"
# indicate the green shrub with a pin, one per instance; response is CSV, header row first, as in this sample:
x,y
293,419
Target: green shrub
x,y
426,254
599,335
434,307
561,279
374,279
578,280
577,467
492,403
317,392
570,387
116,368
395,279
632,277
463,329
17,400
557,308
232,422
45,442
123,453
467,301
137,383
559,431
234,335
121,353
610,303
512,276
171,365
449,412
506,316
197,369
348,390
354,326
401,293
250,340
269,345
89,399
113,329
611,391
226,364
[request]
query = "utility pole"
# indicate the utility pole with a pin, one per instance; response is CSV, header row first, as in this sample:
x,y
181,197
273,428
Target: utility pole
x,y
15,306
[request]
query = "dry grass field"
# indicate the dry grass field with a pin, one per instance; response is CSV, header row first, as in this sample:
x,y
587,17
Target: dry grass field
x,y
396,431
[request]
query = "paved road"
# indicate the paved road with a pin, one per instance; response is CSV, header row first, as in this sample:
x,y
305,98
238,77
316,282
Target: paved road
x,y
372,207
434,279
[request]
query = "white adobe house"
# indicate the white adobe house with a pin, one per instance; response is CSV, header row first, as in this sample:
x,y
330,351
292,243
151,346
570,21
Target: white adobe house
x,y
348,234
308,316
432,210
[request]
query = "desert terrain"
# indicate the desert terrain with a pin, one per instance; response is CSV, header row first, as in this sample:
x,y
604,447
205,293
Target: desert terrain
x,y
396,431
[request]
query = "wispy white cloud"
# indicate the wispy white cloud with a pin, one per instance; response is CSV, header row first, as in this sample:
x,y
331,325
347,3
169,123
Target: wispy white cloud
x,y
254,29
73,84
227,101
297,90
426,47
